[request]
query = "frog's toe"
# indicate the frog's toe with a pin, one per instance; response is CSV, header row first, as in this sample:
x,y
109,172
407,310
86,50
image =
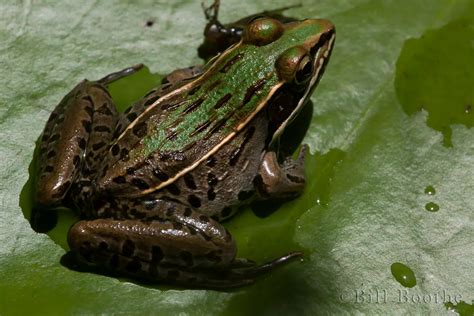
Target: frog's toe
x,y
256,270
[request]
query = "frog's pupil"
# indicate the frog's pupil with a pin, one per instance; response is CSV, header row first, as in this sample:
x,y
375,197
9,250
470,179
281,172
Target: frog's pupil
x,y
303,74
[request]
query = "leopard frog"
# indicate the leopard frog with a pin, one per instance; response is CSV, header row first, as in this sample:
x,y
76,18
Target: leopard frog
x,y
152,185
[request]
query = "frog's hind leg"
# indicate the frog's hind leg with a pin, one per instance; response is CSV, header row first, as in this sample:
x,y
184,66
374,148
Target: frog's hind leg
x,y
81,123
178,246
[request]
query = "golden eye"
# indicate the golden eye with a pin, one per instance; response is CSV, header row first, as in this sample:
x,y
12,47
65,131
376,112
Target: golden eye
x,y
294,65
305,71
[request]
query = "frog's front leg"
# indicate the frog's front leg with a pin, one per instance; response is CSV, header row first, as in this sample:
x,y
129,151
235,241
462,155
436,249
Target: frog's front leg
x,y
281,181
81,123
176,245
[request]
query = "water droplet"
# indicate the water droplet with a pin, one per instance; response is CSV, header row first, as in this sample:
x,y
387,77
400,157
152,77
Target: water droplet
x,y
432,207
403,274
430,190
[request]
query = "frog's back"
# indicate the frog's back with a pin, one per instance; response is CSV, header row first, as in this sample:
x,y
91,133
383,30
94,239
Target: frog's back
x,y
188,125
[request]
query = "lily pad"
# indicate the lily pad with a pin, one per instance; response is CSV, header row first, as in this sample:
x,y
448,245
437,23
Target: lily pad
x,y
373,155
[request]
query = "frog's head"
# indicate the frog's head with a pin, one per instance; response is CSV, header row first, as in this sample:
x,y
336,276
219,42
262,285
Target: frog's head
x,y
301,51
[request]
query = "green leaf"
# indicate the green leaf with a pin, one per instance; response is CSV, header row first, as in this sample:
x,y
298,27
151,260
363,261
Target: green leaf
x,y
401,73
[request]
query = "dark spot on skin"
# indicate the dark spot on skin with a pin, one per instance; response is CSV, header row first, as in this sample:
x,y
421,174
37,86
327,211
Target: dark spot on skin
x,y
193,106
98,146
123,153
170,212
132,116
119,180
51,154
205,236
187,212
128,248
103,246
151,101
173,189
114,261
149,93
140,129
173,274
189,180
130,170
102,129
133,266
187,258
245,195
211,195
76,160
160,174
212,179
89,110
212,256
226,211
85,253
234,157
219,124
204,218
222,101
170,106
156,254
104,109
194,201
115,150
140,215
87,125
54,138
82,143
194,90
201,128
177,225
139,183
232,61
171,135
253,90
118,130
211,162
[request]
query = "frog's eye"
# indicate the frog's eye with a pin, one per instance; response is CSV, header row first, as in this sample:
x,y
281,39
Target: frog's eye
x,y
305,70
262,31
295,65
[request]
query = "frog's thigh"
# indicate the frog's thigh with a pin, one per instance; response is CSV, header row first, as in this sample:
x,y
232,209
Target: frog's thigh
x,y
81,122
145,248
281,181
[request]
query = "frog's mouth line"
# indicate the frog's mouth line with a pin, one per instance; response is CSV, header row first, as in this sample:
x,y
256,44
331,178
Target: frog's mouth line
x,y
320,54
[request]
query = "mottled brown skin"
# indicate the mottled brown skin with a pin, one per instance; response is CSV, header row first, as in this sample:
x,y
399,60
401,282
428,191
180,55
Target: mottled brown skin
x,y
171,232
174,233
